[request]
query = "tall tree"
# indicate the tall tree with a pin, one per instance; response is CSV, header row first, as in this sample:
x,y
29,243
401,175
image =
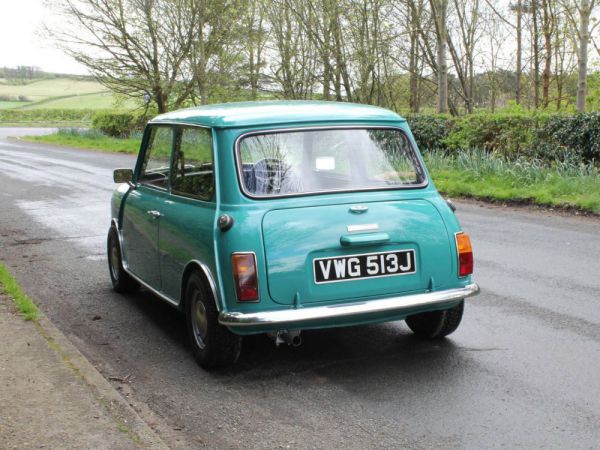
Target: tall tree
x,y
159,47
440,9
585,11
548,29
535,43
519,56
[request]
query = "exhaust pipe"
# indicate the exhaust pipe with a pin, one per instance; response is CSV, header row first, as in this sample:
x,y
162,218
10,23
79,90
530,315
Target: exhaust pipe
x,y
289,337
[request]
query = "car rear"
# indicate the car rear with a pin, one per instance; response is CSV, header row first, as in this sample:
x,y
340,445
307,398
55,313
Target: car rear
x,y
349,218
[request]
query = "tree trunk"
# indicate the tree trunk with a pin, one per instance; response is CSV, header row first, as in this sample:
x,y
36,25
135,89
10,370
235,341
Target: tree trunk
x,y
548,54
440,8
413,68
584,37
536,55
518,70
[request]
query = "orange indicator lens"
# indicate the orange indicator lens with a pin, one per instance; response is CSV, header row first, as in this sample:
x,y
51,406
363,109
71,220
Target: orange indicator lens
x,y
465,254
245,277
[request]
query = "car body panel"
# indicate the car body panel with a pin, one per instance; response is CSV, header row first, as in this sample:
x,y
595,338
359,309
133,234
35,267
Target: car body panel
x,y
184,226
295,236
140,234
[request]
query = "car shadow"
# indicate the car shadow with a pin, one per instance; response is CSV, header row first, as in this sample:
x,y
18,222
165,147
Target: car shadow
x,y
362,349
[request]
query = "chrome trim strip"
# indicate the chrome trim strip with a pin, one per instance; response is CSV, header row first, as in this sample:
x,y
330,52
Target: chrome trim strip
x,y
363,227
160,295
211,282
306,316
357,126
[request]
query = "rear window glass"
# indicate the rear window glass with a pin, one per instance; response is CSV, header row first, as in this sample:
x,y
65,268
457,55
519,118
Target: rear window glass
x,y
298,162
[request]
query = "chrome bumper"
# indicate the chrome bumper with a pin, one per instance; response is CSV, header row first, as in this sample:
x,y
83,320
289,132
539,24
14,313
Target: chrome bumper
x,y
395,306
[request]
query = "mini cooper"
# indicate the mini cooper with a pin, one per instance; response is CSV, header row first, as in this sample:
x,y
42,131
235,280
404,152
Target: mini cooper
x,y
276,217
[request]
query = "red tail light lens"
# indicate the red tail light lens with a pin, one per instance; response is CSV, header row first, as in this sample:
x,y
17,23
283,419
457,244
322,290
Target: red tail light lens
x,y
465,254
245,277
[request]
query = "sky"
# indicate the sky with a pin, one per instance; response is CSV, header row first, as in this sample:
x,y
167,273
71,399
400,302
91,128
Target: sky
x,y
22,42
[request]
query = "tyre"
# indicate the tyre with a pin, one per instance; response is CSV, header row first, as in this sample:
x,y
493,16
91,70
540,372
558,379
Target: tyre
x,y
121,280
213,345
436,324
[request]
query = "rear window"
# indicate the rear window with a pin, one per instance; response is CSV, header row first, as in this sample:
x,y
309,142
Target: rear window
x,y
314,161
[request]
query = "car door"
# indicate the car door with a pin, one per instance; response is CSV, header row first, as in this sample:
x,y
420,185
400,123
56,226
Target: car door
x,y
142,210
186,228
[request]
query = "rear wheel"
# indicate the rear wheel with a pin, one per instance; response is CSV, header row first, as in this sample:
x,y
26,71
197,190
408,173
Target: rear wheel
x,y
213,345
436,324
121,280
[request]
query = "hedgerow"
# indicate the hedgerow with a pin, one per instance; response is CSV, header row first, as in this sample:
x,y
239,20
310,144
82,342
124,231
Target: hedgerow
x,y
511,135
118,124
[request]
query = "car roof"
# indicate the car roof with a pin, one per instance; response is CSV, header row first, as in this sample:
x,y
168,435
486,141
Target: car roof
x,y
243,114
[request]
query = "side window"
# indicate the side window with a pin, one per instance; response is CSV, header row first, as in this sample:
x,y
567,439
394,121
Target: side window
x,y
155,169
192,173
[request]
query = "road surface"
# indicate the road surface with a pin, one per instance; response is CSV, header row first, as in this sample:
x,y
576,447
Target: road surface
x,y
522,371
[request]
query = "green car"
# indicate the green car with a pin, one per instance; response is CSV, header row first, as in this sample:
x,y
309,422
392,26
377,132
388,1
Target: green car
x,y
276,217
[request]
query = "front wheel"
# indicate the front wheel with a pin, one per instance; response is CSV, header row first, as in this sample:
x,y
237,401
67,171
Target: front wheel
x,y
213,344
436,324
121,280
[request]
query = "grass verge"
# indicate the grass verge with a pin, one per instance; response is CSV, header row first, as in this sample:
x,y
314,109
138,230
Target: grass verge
x,y
89,139
569,185
11,288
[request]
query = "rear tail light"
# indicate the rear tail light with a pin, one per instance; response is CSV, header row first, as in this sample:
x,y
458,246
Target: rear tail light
x,y
465,254
245,277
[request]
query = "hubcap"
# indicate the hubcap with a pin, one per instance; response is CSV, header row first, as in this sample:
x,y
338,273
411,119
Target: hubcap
x,y
114,260
199,320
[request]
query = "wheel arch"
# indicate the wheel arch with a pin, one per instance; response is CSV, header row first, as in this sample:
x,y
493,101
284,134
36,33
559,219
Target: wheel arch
x,y
205,273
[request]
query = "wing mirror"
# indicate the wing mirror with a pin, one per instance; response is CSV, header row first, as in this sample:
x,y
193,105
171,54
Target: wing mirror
x,y
123,175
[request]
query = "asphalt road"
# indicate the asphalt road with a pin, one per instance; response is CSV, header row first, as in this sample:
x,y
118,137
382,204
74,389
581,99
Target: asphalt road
x,y
522,371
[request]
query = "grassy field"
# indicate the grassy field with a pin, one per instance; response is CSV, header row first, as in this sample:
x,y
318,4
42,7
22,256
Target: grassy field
x,y
59,93
103,100
486,177
8,105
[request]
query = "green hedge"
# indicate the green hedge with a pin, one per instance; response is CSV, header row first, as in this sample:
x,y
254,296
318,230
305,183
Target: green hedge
x,y
430,131
46,115
119,124
539,136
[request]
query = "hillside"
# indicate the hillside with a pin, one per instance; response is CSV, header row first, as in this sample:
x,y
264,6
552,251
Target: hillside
x,y
57,93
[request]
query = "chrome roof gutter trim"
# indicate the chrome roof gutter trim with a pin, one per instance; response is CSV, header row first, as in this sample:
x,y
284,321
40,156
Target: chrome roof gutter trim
x,y
392,305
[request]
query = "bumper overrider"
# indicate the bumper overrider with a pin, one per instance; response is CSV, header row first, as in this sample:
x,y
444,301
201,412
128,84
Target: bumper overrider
x,y
310,316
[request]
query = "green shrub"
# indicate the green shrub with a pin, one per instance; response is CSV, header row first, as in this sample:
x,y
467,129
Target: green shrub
x,y
430,131
574,137
45,115
507,134
118,124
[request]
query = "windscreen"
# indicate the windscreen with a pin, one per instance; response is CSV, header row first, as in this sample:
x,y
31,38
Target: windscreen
x,y
314,161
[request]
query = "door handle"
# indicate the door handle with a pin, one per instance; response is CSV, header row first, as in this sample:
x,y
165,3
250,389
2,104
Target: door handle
x,y
154,213
364,239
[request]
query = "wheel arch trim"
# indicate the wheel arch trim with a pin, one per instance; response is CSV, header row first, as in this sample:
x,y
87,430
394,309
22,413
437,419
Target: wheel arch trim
x,y
207,275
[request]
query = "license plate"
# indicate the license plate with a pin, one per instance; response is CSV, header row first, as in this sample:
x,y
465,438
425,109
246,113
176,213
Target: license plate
x,y
366,265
